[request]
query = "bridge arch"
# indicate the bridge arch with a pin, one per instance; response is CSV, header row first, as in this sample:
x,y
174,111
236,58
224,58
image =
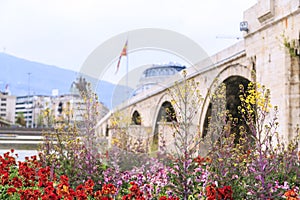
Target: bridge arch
x,y
136,118
165,112
164,98
232,76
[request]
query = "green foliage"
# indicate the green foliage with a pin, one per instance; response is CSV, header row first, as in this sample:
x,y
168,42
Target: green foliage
x,y
291,45
40,121
21,119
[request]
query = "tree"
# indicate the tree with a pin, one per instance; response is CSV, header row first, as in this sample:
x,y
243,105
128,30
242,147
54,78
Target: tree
x,y
21,119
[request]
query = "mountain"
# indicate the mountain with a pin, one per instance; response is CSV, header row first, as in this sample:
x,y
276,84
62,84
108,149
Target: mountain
x,y
43,78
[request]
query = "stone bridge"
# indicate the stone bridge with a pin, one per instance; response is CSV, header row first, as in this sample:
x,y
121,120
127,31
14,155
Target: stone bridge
x,y
269,54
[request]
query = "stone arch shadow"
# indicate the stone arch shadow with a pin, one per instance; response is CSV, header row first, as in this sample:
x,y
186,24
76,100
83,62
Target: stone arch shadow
x,y
160,115
228,75
136,117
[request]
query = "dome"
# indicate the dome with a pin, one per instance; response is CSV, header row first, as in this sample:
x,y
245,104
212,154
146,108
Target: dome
x,y
157,74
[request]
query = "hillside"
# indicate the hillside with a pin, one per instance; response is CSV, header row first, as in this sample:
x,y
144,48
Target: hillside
x,y
43,79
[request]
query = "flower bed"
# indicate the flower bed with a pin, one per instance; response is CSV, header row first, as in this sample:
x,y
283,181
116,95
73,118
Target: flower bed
x,y
249,162
30,180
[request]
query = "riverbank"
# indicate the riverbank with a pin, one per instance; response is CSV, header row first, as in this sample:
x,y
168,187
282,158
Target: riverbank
x,y
21,153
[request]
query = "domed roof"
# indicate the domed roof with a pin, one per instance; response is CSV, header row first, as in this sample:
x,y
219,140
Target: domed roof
x,y
162,70
156,74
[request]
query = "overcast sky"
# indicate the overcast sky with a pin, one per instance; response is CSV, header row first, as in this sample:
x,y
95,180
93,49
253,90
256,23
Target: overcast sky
x,y
65,32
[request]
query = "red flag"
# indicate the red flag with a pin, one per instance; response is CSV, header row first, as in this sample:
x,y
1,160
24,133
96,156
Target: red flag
x,y
123,53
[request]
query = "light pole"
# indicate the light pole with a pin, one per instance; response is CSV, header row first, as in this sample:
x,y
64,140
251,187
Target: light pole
x,y
27,109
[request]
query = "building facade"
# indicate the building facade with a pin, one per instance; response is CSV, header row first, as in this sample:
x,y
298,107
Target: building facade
x,y
7,107
30,109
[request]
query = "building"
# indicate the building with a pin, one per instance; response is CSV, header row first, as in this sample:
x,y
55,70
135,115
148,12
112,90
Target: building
x,y
7,107
39,105
68,106
30,108
157,74
44,111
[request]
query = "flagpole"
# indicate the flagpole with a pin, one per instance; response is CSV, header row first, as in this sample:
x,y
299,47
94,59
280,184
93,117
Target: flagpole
x,y
124,53
127,89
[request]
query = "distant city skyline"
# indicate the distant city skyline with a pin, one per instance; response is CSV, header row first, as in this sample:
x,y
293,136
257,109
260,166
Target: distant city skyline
x,y
64,33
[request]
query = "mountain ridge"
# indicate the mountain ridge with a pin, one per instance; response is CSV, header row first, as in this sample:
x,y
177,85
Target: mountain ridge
x,y
43,78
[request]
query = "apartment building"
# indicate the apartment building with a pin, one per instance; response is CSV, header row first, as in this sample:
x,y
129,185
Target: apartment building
x,y
23,109
7,107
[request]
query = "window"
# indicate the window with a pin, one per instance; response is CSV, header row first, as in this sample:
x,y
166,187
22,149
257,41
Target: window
x,y
19,108
152,72
161,72
3,104
147,73
3,99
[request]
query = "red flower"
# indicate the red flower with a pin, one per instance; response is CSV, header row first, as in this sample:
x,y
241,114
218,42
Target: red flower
x,y
11,191
62,190
127,197
49,192
81,192
29,194
225,192
80,188
109,189
218,193
135,193
134,188
4,178
28,173
43,174
98,195
106,198
211,192
199,160
51,196
163,198
291,195
64,179
16,182
89,185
